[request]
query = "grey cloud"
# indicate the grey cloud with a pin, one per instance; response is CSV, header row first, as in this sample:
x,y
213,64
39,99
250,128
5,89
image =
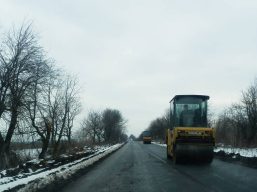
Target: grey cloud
x,y
135,55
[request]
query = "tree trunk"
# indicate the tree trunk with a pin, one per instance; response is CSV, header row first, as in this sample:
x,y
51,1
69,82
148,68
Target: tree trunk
x,y
10,131
99,138
45,140
45,144
4,159
56,149
94,137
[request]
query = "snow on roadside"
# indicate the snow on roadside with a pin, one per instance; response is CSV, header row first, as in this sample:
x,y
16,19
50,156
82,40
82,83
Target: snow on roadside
x,y
27,153
160,144
42,179
244,152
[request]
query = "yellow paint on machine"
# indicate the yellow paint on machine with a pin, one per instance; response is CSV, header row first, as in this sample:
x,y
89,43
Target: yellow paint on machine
x,y
188,136
147,139
193,131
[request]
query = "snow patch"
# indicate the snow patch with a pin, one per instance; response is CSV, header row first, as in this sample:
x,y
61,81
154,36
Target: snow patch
x,y
27,153
39,178
244,152
160,144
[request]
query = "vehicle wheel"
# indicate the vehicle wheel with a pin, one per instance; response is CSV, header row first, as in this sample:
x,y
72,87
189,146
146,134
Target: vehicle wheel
x,y
175,156
167,152
209,159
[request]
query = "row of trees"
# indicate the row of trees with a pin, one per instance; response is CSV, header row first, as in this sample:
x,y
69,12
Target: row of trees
x,y
106,126
237,125
42,101
35,97
158,127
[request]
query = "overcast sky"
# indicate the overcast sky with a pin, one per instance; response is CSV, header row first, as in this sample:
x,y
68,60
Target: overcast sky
x,y
135,55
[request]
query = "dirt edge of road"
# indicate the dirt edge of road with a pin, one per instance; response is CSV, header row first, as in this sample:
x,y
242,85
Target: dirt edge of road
x,y
236,158
232,158
60,183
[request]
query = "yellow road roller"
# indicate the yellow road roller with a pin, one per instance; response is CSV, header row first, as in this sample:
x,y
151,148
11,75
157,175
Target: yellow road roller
x,y
188,138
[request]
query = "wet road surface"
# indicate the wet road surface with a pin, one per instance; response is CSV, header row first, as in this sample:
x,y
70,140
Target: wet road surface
x,y
145,168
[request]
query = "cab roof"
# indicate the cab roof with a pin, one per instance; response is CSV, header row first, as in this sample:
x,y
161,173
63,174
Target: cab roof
x,y
205,97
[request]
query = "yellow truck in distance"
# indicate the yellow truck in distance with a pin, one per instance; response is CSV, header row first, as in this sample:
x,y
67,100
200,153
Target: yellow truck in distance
x,y
147,137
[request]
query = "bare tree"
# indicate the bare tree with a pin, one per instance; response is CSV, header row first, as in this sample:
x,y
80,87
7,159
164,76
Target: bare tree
x,y
73,106
5,74
250,104
63,107
92,126
237,125
114,125
231,126
158,128
36,109
159,125
21,57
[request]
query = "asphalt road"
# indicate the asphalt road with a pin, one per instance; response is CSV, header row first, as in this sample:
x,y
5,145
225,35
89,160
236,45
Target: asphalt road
x,y
144,168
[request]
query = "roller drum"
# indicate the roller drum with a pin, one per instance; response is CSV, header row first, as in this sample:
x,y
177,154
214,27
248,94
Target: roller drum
x,y
184,153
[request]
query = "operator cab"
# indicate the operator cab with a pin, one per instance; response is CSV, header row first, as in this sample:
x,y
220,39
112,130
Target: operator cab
x,y
146,134
188,111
